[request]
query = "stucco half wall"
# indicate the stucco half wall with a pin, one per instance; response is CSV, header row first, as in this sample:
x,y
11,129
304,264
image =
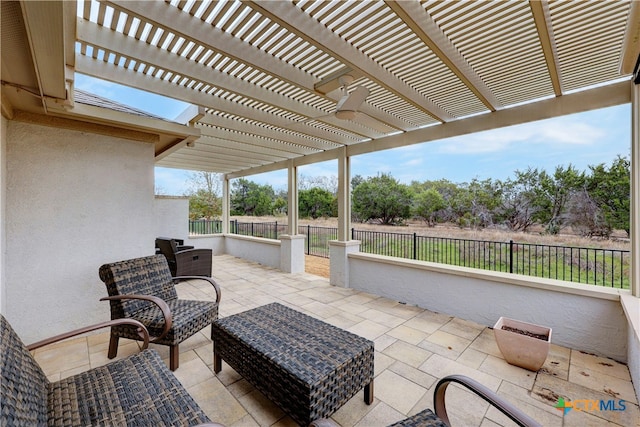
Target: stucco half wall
x,y
590,319
74,200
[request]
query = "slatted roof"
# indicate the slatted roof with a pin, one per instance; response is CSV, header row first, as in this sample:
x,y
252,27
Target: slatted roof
x,y
266,74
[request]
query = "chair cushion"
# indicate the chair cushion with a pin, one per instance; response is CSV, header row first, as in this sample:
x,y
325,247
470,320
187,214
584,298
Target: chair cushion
x,y
138,390
23,384
188,316
147,275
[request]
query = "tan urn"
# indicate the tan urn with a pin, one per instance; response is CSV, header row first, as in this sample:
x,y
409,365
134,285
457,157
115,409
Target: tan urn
x,y
522,344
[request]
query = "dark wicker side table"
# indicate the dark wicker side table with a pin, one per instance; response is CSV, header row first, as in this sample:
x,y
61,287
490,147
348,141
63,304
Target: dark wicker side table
x,y
306,366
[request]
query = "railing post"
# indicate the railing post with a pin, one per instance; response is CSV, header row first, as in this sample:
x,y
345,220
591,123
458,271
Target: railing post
x,y
415,246
353,233
252,229
308,239
510,256
276,230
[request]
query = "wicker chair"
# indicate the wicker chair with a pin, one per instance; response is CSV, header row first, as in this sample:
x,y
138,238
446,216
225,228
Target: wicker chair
x,y
427,418
143,289
137,390
185,260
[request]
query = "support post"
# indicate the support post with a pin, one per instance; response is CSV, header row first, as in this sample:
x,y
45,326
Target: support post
x,y
635,189
225,205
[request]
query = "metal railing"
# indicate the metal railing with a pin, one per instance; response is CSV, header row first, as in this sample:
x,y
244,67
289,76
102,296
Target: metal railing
x,y
594,266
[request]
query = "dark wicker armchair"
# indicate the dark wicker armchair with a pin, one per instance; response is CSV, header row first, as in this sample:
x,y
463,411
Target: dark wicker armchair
x,y
143,289
137,390
185,260
427,418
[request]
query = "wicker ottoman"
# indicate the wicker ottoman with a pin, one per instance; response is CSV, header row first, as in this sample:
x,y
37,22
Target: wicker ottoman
x,y
307,367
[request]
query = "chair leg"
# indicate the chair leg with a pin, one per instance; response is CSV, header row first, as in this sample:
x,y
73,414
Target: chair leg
x,y
174,355
113,346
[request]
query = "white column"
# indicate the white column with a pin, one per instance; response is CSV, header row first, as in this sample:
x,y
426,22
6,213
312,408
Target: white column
x,y
340,249
635,190
344,196
292,209
226,204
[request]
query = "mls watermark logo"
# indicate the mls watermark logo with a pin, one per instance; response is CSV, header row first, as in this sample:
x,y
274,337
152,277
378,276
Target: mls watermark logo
x,y
588,405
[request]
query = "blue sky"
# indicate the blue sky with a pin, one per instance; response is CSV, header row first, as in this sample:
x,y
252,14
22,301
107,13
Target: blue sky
x,y
581,139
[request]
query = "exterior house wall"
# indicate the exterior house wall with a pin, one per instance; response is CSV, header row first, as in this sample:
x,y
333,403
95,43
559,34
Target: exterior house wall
x,y
172,217
74,200
589,319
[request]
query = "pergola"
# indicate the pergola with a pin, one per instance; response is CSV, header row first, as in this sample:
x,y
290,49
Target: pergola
x,y
266,78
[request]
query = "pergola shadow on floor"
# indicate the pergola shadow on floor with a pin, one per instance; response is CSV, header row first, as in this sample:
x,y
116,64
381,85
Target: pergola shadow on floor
x,y
414,348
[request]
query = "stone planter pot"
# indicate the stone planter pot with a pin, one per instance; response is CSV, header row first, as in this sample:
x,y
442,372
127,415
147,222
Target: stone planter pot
x,y
520,349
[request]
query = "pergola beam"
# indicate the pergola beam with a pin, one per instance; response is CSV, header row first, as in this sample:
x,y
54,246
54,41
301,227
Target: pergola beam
x,y
542,19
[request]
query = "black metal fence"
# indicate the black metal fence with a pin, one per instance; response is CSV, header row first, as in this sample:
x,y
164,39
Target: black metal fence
x,y
595,266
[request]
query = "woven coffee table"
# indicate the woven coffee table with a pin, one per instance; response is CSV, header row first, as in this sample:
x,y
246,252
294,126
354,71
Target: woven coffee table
x,y
307,367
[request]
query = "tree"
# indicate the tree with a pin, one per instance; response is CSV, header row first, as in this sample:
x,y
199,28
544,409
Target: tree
x,y
476,202
251,198
610,188
205,199
426,205
383,199
553,194
315,203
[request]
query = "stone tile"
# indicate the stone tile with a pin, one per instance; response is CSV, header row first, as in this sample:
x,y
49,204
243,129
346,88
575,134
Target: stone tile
x,y
463,328
368,329
615,387
557,363
381,362
550,388
398,392
600,364
124,350
440,367
381,415
445,344
381,317
320,310
343,320
543,413
472,358
63,356
246,421
407,334
412,374
216,401
501,369
384,341
464,408
193,371
264,411
354,410
409,354
486,343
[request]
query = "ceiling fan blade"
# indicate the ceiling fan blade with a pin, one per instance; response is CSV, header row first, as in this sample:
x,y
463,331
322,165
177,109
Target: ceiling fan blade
x,y
352,101
371,123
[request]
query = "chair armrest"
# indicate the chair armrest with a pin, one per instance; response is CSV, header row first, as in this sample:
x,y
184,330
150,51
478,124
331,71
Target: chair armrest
x,y
164,308
504,406
208,279
142,331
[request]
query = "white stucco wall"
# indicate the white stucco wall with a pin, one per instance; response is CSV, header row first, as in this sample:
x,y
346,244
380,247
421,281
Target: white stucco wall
x,y
631,307
172,217
263,251
3,184
589,319
74,201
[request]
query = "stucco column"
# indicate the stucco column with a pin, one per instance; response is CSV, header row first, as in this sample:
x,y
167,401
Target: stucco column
x,y
635,189
225,205
339,261
292,253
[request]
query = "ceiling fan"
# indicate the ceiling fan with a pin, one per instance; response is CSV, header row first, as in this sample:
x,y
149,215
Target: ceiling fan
x,y
348,105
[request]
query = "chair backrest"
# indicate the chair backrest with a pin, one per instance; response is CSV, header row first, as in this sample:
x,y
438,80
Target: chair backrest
x,y
168,247
147,276
23,386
